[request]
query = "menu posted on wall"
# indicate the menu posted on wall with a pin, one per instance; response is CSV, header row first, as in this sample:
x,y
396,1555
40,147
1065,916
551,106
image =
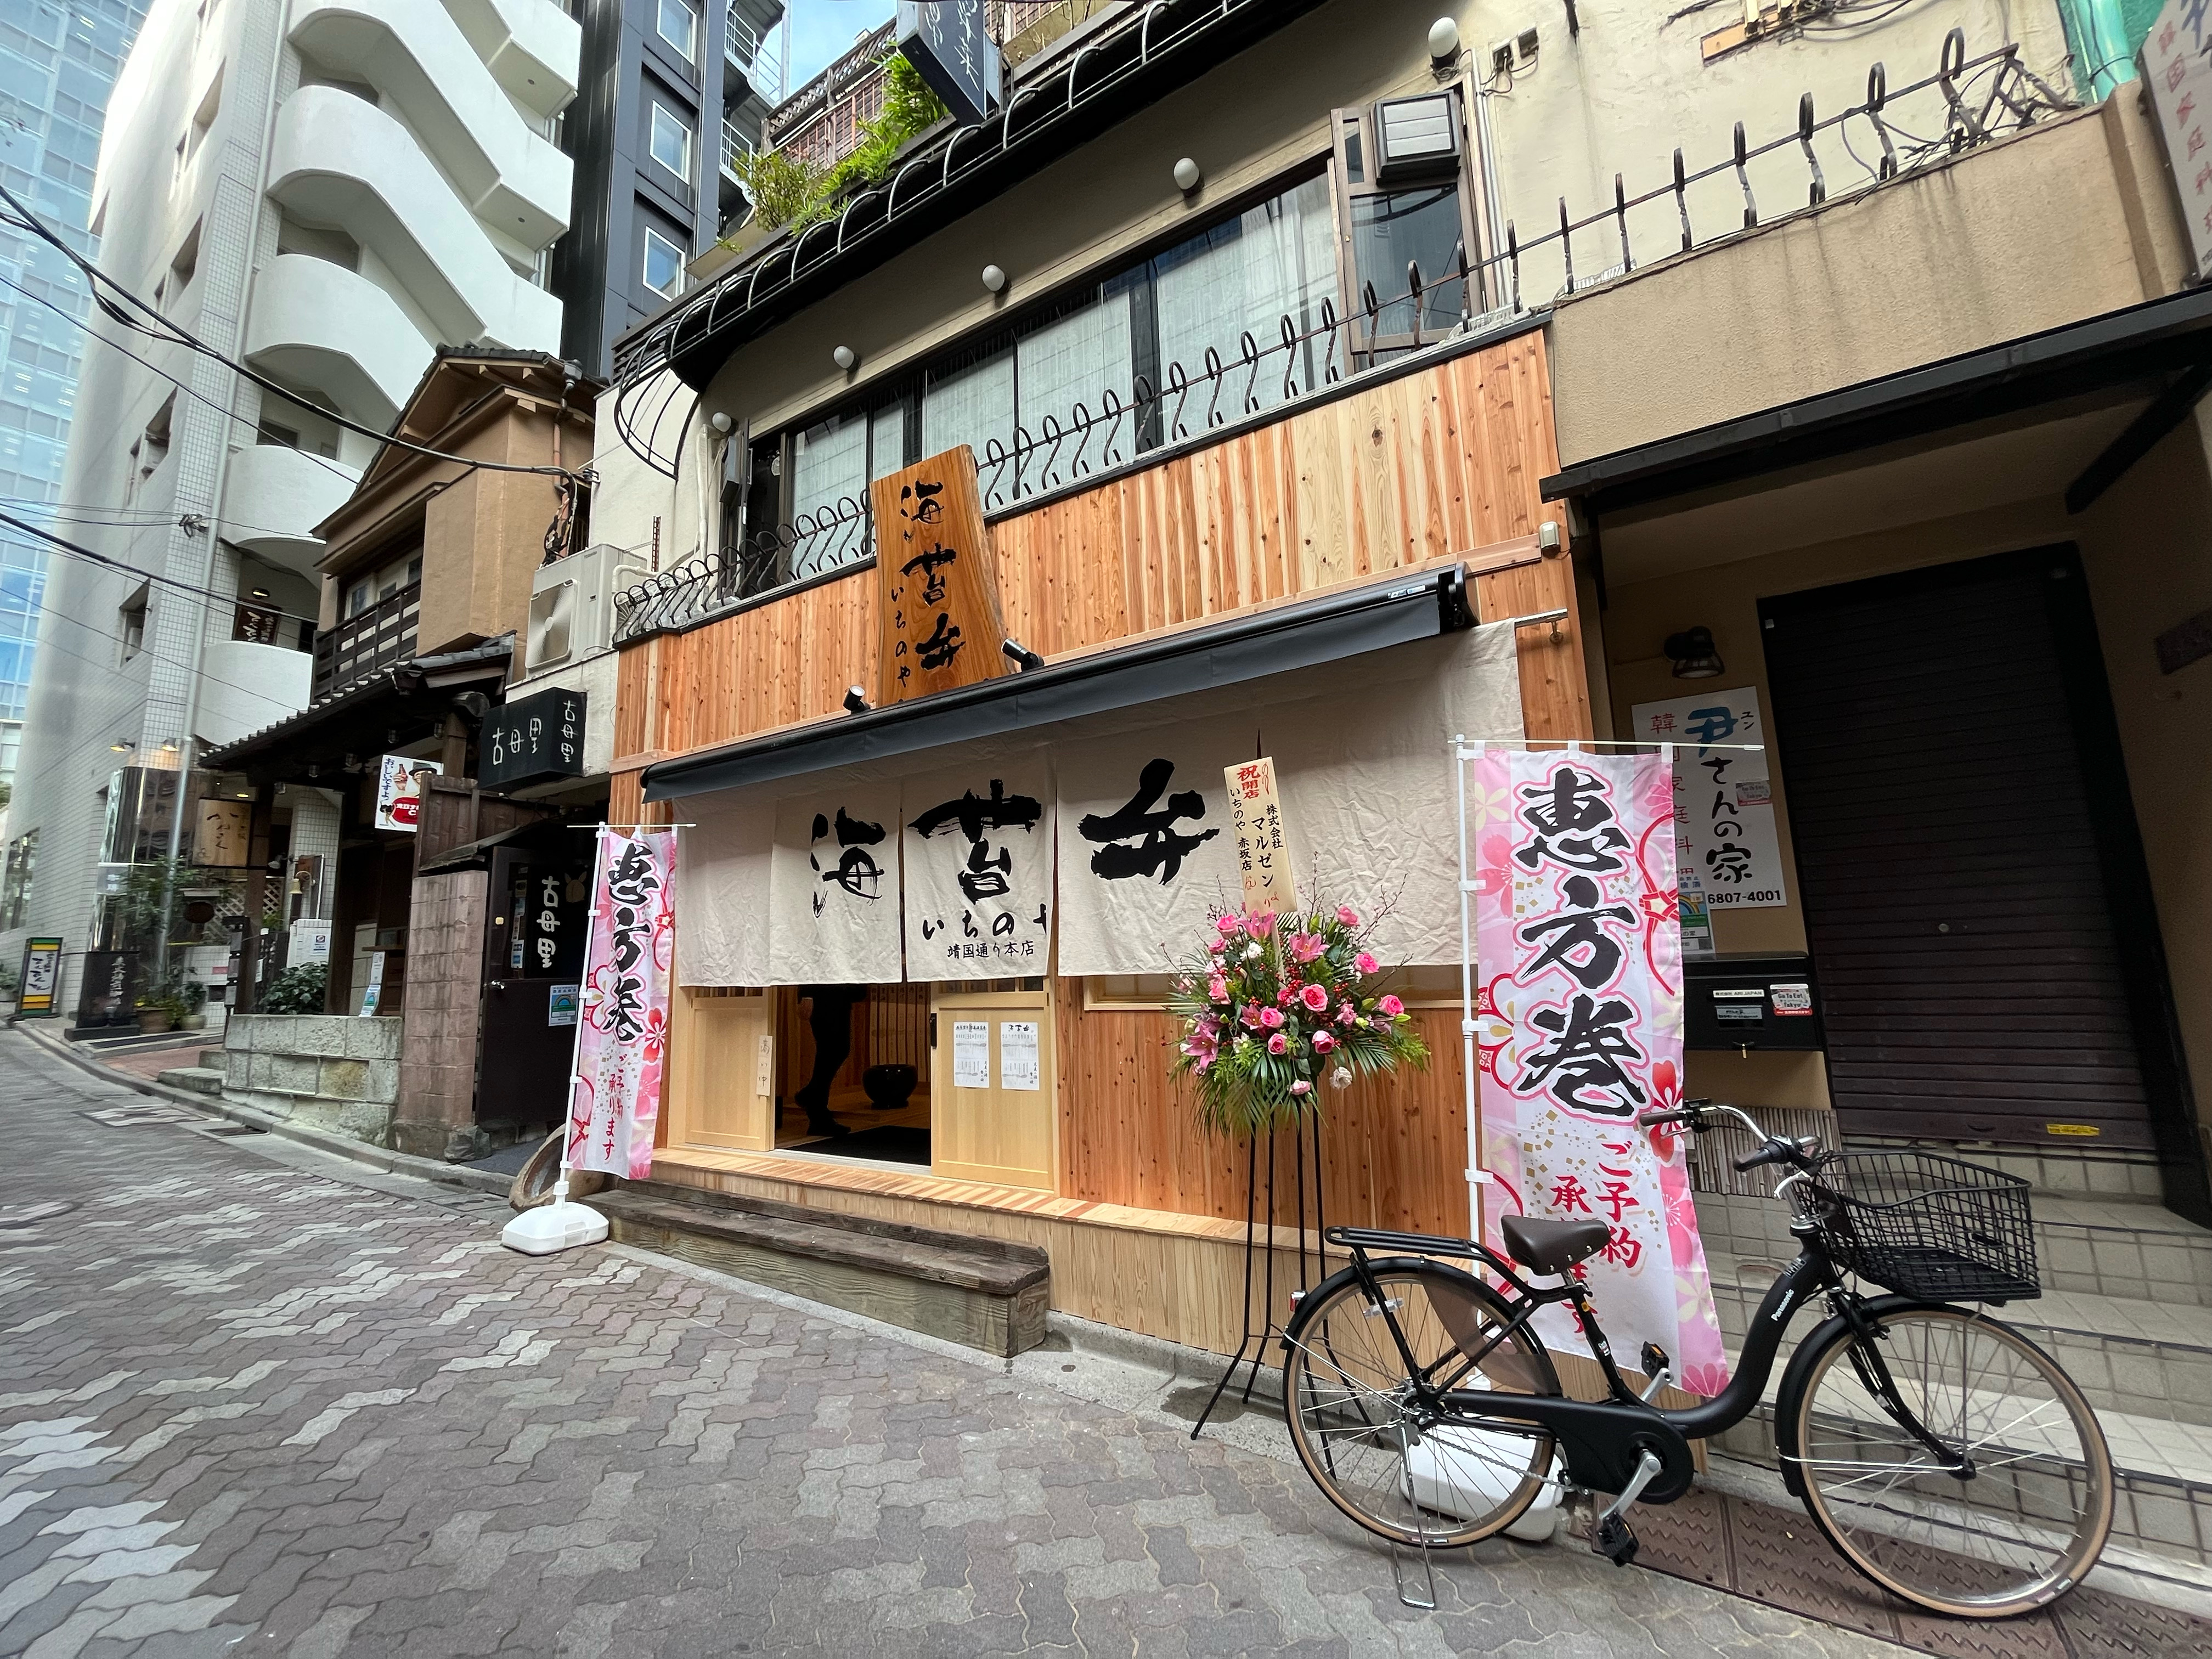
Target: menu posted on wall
x,y
971,1053
1018,1055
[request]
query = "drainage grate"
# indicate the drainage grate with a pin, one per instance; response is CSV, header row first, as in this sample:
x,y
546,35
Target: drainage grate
x,y
229,1130
130,1117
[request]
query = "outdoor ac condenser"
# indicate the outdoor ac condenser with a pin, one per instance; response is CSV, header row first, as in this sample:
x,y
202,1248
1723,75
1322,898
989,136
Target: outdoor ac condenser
x,y
572,604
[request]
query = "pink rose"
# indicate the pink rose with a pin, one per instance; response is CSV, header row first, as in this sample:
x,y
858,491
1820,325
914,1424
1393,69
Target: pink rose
x,y
1260,926
1324,1042
1391,1006
1305,947
1217,989
1347,915
1302,1087
1366,963
1227,925
1315,998
1278,1044
1271,1018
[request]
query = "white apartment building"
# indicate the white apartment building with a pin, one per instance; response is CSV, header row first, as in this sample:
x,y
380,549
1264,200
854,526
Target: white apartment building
x,y
328,191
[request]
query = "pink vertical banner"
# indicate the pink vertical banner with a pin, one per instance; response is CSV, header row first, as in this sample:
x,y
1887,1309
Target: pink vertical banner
x,y
622,1032
1579,1022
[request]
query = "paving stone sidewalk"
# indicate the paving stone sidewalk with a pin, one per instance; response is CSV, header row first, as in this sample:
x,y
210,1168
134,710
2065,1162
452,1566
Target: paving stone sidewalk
x,y
260,1406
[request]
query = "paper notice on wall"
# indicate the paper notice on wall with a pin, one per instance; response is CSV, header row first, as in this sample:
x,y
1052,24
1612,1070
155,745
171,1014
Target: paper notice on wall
x,y
971,1053
1724,831
1263,857
1018,1055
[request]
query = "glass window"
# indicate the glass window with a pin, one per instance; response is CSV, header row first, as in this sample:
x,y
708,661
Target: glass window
x,y
1274,261
971,403
678,25
664,265
1393,233
828,492
1074,360
670,142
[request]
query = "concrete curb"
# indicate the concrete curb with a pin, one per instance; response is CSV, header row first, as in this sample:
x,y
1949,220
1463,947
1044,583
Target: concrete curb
x,y
358,1151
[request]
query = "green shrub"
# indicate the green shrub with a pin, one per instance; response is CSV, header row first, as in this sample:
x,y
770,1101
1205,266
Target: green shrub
x,y
297,990
788,191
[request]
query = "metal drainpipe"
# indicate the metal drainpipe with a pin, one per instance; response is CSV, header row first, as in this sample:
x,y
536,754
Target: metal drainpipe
x,y
185,738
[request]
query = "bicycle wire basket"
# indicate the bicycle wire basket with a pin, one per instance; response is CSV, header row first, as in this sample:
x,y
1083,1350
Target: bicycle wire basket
x,y
1936,1228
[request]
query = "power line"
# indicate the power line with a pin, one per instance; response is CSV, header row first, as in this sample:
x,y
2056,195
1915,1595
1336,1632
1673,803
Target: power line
x,y
174,333
197,395
72,547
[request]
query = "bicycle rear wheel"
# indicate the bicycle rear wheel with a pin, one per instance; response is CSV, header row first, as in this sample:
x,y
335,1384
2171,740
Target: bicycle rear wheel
x,y
1359,1427
2013,1527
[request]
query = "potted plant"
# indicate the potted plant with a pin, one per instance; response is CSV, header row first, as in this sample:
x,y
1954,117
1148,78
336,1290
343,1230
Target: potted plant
x,y
1275,1005
155,1015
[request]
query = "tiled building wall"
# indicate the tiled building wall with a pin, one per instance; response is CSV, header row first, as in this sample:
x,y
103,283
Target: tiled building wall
x,y
445,975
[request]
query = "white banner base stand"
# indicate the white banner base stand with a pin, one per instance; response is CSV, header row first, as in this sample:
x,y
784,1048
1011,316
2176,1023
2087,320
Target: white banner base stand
x,y
553,1227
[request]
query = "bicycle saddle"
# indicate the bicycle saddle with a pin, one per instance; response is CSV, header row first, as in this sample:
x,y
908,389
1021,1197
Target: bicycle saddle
x,y
1545,1244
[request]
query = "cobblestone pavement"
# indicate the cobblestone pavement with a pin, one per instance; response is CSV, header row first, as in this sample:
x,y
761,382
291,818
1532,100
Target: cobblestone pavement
x,y
255,1401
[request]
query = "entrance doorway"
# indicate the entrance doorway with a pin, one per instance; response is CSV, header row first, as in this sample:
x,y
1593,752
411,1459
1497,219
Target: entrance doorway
x,y
874,1102
1973,888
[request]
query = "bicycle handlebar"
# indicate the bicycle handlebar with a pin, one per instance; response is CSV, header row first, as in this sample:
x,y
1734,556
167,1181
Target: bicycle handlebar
x,y
1699,1116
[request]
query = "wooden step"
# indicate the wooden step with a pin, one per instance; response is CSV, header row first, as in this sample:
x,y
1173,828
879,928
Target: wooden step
x,y
985,1293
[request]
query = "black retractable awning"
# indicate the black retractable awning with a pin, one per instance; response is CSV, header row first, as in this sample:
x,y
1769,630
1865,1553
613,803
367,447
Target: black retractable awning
x,y
1299,635
2144,344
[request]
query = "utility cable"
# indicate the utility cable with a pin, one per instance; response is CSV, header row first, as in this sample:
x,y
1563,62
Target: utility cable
x,y
75,550
172,332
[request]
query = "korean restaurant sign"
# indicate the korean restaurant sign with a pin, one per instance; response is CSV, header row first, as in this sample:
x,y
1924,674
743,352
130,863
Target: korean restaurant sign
x,y
1263,858
399,792
936,587
1579,1025
2176,70
614,1098
1724,798
540,736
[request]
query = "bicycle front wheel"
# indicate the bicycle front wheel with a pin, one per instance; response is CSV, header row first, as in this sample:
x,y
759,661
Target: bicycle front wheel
x,y
1357,1419
1952,1461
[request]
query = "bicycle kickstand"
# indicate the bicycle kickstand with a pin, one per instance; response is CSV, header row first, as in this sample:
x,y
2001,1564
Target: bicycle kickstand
x,y
1612,1537
1397,1566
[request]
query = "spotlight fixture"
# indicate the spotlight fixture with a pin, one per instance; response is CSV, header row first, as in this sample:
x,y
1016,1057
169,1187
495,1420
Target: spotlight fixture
x,y
122,748
1693,654
994,278
843,357
1023,657
856,700
260,594
1188,177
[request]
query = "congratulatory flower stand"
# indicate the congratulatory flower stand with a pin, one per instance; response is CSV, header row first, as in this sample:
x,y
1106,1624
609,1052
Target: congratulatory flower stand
x,y
1272,1007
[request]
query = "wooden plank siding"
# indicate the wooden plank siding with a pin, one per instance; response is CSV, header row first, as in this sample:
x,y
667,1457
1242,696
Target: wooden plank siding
x,y
1439,464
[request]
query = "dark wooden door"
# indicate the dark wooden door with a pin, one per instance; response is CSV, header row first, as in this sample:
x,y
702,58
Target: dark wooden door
x,y
534,947
1953,854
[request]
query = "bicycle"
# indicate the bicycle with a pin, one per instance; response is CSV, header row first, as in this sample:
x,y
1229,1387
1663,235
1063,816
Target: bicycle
x,y
1942,1454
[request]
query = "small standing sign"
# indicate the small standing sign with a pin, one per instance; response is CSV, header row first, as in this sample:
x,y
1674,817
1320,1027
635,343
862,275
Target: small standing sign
x,y
38,987
935,587
1255,812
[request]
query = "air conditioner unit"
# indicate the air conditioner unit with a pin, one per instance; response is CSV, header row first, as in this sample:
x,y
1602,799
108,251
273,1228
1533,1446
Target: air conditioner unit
x,y
572,604
1416,138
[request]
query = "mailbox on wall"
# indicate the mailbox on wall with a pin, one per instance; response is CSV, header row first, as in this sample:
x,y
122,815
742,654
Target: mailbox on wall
x,y
1752,1002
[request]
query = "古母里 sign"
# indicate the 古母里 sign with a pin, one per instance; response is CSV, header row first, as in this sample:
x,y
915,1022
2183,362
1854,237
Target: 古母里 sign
x,y
936,588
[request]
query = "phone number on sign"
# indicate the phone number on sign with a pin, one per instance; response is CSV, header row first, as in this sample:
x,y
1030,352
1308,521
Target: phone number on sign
x,y
1757,895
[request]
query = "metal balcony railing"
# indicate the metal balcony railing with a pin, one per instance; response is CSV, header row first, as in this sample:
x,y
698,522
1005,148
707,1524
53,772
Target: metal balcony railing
x,y
734,145
372,638
759,54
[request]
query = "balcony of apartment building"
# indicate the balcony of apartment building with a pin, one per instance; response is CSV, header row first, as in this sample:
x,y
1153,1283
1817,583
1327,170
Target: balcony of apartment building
x,y
379,617
756,50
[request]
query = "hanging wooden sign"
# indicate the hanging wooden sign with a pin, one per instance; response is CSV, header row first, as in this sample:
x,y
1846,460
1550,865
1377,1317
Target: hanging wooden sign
x,y
1255,812
937,588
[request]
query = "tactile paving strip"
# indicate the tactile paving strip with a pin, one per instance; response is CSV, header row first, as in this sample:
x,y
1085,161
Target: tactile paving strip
x,y
1777,1556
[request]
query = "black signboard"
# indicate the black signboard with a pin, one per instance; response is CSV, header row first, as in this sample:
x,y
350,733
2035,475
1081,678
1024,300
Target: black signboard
x,y
109,993
541,736
949,44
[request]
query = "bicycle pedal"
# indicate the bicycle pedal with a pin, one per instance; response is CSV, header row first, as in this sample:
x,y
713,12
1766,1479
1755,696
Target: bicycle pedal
x,y
1615,1539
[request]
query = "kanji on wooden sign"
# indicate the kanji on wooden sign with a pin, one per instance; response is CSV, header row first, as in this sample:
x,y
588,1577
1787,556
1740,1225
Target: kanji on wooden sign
x,y
1255,812
936,586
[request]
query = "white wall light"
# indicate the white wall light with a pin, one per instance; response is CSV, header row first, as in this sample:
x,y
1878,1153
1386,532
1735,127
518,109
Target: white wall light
x,y
1187,175
1443,40
843,357
994,278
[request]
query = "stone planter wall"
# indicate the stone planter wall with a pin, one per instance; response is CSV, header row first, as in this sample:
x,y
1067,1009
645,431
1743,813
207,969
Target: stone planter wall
x,y
335,1072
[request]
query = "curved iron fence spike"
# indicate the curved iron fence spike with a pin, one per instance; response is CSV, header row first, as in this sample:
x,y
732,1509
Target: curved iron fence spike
x,y
1877,95
1750,204
1567,244
1805,126
1250,348
1621,218
1682,202
1213,397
